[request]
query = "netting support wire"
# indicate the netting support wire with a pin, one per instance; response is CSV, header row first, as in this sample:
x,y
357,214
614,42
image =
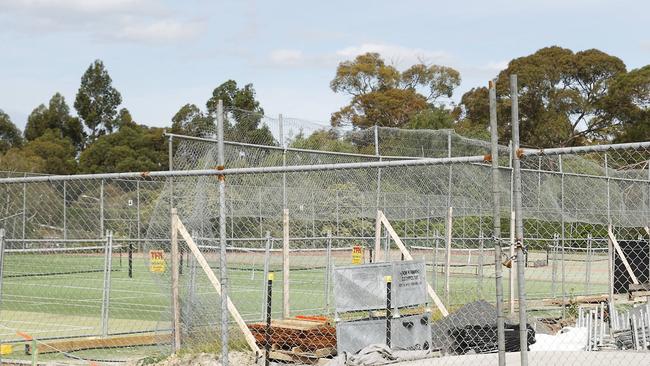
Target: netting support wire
x,y
328,274
496,213
106,292
573,150
519,227
267,263
223,269
257,170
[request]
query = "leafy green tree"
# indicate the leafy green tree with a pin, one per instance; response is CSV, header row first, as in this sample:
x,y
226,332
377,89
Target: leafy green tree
x,y
97,100
434,118
191,121
56,153
629,102
16,160
329,140
124,118
561,97
56,116
131,148
243,122
384,96
9,133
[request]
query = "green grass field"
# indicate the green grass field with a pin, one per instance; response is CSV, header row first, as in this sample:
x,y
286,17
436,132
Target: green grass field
x,y
69,305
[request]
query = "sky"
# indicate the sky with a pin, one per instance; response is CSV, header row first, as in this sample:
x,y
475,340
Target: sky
x,y
164,54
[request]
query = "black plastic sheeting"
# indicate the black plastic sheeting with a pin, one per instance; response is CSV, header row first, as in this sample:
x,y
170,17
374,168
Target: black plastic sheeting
x,y
637,253
473,328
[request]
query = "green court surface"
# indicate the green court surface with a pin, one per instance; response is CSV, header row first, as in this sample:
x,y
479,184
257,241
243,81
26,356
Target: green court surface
x,y
60,295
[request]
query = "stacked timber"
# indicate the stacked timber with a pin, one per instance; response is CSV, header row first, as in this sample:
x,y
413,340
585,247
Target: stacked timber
x,y
300,334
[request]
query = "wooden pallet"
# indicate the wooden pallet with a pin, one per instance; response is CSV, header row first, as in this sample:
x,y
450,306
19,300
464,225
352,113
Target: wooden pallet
x,y
71,345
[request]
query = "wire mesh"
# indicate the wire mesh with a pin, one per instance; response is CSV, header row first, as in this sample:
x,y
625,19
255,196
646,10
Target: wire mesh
x,y
62,279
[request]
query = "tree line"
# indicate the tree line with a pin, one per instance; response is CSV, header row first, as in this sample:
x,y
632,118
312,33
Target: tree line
x,y
566,98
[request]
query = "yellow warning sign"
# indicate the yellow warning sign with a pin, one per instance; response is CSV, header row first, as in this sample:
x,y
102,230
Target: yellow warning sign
x,y
357,254
157,261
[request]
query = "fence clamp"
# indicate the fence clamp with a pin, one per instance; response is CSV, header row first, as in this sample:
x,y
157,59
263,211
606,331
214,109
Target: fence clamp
x,y
519,244
221,177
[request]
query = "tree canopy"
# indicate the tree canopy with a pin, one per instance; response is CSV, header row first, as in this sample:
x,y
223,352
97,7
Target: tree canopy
x,y
9,133
97,100
132,148
384,96
566,98
56,116
562,97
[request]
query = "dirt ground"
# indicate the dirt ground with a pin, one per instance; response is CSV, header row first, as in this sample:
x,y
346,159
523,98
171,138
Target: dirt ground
x,y
201,359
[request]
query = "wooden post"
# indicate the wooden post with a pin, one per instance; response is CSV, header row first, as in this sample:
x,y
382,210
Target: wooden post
x,y
248,336
448,234
176,308
407,256
285,263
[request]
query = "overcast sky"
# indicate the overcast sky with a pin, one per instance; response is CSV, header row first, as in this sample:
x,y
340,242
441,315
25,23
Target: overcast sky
x,y
163,54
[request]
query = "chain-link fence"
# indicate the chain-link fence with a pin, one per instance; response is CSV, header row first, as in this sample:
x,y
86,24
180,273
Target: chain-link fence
x,y
334,240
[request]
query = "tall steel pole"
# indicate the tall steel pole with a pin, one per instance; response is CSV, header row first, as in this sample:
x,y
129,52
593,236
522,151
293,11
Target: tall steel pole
x,y
496,213
222,239
519,223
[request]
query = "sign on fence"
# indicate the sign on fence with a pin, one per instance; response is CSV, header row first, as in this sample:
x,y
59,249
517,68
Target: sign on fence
x,y
357,254
157,261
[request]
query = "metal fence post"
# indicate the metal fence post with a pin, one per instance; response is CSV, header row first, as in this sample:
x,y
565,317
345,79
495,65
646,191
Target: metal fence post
x,y
137,208
496,215
435,260
24,211
65,210
267,262
108,258
519,225
448,234
222,238
176,311
328,274
562,239
101,207
378,169
2,255
588,265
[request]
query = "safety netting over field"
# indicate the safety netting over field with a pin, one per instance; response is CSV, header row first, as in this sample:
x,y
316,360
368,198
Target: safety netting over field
x,y
86,266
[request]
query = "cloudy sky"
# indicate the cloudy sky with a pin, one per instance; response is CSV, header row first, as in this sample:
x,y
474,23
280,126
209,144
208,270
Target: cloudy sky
x,y
163,54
